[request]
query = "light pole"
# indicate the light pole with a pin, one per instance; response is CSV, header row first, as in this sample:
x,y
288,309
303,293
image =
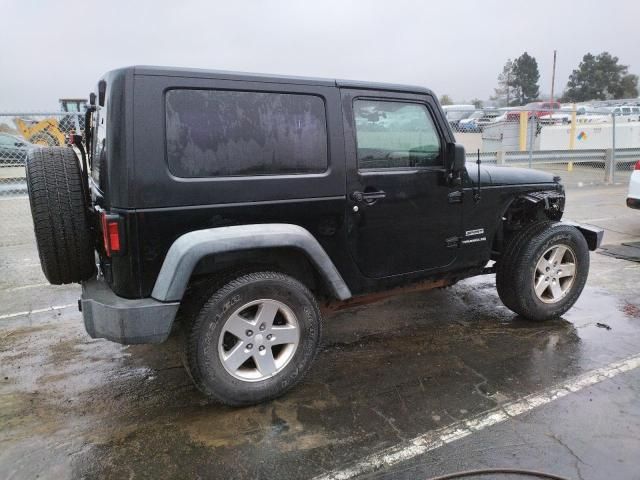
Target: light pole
x,y
553,75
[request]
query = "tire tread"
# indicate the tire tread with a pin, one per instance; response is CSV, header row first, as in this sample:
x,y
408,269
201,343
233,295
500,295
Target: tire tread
x,y
194,330
59,212
513,280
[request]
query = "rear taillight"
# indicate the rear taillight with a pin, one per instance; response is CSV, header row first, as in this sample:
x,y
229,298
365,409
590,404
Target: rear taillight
x,y
637,167
110,233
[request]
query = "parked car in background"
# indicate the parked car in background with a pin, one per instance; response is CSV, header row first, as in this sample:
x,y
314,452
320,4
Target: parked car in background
x,y
535,109
477,121
586,113
470,124
501,114
13,150
563,116
626,113
633,198
489,116
455,113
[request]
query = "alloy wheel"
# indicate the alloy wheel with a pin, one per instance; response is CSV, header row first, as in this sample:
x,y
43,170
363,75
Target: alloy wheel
x,y
555,273
258,340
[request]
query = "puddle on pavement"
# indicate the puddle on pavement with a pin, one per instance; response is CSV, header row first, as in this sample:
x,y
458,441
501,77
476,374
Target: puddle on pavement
x,y
385,373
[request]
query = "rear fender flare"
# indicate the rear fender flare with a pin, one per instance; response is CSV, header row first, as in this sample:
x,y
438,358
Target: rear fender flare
x,y
191,247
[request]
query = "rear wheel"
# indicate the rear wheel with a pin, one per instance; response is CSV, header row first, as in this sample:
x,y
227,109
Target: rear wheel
x,y
253,339
543,270
59,210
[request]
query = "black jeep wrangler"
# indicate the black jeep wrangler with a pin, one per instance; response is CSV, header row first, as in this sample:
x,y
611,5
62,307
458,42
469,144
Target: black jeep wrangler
x,y
245,204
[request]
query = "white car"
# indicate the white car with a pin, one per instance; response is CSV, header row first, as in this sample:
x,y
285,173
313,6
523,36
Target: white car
x,y
626,113
585,114
455,113
478,120
633,199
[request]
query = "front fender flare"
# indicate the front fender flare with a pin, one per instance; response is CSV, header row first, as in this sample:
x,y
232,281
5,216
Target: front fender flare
x,y
191,247
592,235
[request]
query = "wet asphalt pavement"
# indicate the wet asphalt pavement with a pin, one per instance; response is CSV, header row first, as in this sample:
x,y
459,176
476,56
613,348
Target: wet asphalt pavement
x,y
73,407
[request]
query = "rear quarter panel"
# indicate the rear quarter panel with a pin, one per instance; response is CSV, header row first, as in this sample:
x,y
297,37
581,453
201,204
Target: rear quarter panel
x,y
165,206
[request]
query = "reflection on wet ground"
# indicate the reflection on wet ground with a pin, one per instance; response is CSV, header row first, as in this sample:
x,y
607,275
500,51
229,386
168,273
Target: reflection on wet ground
x,y
75,407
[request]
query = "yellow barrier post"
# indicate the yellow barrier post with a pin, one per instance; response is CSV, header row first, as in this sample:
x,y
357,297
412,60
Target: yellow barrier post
x,y
524,118
572,135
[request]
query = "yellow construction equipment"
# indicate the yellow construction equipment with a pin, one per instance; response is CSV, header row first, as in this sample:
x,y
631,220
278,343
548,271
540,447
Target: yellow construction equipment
x,y
52,131
43,132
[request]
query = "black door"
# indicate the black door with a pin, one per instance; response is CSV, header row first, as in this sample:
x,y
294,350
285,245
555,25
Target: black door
x,y
399,213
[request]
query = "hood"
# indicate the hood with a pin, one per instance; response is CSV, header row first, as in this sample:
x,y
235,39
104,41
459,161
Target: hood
x,y
494,175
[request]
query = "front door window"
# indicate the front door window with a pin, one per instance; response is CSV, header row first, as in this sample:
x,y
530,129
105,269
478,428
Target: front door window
x,y
396,135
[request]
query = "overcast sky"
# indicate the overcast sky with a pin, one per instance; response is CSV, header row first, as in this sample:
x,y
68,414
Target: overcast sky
x,y
53,49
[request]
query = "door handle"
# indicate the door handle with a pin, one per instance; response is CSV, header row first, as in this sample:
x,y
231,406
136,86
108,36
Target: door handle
x,y
368,197
455,197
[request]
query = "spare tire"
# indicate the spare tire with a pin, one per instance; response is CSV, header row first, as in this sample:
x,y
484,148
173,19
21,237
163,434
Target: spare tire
x,y
60,215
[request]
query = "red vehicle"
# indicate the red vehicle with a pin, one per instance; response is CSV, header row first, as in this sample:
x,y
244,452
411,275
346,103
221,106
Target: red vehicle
x,y
535,109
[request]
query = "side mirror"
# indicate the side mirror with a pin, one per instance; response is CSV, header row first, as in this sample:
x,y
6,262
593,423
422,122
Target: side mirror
x,y
457,157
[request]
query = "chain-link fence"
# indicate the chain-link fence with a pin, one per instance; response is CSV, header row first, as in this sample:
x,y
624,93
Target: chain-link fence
x,y
20,132
585,144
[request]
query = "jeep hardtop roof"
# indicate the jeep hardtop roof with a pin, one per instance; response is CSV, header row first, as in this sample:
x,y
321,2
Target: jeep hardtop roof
x,y
266,78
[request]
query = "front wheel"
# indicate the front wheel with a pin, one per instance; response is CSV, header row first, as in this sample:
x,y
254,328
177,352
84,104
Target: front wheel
x,y
542,274
254,338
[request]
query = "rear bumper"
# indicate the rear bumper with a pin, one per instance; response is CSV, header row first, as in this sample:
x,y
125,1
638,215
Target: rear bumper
x,y
123,320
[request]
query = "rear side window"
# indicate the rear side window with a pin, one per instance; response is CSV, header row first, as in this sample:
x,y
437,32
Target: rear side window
x,y
218,133
394,134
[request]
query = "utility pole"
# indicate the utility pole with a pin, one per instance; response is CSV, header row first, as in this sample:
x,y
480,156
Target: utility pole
x,y
508,85
553,75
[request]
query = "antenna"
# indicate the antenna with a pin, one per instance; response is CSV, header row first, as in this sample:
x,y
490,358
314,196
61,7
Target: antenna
x,y
476,195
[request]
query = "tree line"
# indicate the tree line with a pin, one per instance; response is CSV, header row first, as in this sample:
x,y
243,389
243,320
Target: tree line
x,y
597,77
